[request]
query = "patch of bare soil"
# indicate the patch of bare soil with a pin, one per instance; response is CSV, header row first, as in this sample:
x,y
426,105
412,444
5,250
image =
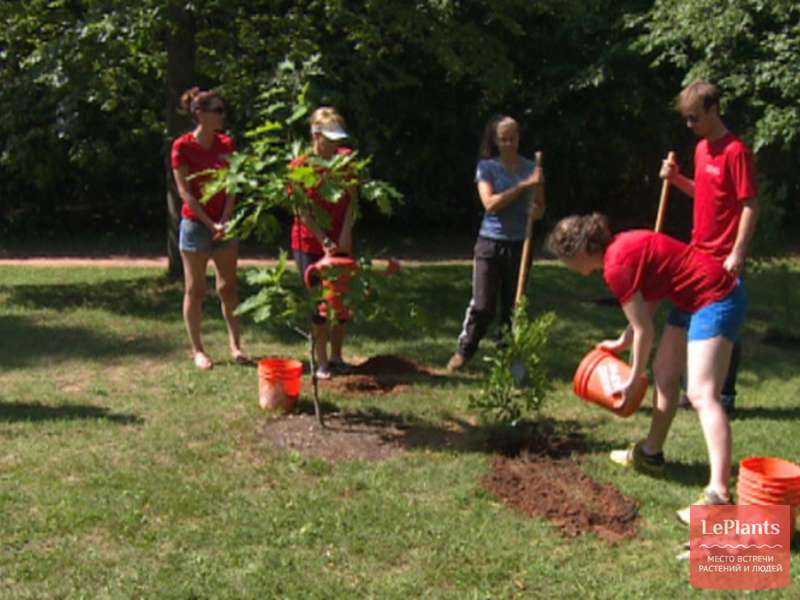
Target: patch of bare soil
x,y
346,436
533,473
557,489
380,374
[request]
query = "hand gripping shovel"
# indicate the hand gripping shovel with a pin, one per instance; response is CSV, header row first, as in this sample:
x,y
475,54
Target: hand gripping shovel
x,y
524,265
664,200
518,368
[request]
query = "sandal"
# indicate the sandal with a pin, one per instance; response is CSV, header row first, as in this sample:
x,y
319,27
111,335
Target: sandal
x,y
201,361
340,367
240,358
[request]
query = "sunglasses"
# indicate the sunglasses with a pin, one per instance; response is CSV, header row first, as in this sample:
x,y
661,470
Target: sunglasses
x,y
220,110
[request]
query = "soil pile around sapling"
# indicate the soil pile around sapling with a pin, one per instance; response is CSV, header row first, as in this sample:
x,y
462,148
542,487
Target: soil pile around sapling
x,y
380,374
557,489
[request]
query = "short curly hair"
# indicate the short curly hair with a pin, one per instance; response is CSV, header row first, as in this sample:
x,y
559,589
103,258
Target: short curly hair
x,y
579,233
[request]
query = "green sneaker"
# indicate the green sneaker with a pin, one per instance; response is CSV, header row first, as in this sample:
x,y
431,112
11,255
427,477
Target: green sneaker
x,y
707,498
635,457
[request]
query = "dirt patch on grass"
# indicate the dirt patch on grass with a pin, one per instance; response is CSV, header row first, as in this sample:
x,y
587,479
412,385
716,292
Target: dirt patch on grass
x,y
534,472
346,436
557,489
382,374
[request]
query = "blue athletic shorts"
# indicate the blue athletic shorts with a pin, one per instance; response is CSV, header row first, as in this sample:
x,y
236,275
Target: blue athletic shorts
x,y
196,237
724,317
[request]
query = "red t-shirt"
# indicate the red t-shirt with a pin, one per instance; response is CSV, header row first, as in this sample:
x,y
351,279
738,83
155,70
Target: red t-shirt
x,y
302,237
661,267
724,177
186,150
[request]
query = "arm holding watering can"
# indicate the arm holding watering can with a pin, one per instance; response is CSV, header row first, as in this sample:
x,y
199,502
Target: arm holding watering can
x,y
329,246
639,315
345,241
625,339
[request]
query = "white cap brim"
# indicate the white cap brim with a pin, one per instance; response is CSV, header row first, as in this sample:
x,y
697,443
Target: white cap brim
x,y
332,131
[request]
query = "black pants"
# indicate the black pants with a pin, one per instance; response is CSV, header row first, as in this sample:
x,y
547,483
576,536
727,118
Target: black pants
x,y
495,274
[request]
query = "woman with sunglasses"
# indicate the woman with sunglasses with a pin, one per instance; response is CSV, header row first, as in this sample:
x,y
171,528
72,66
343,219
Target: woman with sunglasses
x,y
202,227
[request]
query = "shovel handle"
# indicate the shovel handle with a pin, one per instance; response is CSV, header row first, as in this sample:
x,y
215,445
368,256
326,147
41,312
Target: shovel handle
x,y
524,264
664,200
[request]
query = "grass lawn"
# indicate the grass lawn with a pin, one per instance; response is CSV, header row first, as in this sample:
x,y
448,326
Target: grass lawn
x,y
126,473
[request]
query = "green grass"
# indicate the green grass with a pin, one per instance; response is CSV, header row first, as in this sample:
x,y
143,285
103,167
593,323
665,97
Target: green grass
x,y
126,473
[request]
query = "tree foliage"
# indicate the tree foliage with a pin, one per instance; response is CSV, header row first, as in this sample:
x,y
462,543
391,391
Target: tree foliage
x,y
751,48
590,81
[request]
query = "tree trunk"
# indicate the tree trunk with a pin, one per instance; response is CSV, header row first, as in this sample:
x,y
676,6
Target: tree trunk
x,y
181,52
312,342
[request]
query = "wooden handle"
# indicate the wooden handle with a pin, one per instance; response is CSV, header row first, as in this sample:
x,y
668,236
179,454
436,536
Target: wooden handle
x,y
522,279
664,200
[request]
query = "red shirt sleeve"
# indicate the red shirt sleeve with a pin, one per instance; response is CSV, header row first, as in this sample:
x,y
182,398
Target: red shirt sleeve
x,y
178,157
743,174
622,280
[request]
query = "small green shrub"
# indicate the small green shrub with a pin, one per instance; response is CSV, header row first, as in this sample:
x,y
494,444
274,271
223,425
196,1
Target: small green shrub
x,y
518,381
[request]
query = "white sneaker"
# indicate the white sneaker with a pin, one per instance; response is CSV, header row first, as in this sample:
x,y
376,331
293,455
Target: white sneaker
x,y
707,498
324,373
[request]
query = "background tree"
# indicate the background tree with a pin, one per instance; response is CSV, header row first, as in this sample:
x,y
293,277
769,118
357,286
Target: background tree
x,y
752,49
90,86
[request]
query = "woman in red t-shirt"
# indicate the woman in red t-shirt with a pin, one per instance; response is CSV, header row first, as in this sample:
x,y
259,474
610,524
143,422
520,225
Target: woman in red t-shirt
x,y
202,227
311,241
643,267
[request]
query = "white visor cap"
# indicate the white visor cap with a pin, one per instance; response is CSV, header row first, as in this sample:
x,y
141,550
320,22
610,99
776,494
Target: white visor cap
x,y
331,130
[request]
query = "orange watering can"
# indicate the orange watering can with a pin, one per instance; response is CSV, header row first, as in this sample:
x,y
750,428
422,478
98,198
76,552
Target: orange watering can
x,y
336,272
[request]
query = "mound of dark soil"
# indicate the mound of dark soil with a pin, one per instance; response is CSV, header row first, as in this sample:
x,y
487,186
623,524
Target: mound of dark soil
x,y
387,365
557,489
380,374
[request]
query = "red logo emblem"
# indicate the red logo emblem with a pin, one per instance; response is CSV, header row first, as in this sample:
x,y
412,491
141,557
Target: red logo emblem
x,y
740,547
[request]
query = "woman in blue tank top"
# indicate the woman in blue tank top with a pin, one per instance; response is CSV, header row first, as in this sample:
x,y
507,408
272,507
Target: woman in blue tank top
x,y
506,184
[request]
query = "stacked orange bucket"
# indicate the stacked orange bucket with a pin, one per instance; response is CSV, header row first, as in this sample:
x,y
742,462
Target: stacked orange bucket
x,y
767,480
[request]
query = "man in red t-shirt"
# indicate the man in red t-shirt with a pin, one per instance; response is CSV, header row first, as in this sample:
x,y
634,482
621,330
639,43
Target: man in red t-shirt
x,y
725,193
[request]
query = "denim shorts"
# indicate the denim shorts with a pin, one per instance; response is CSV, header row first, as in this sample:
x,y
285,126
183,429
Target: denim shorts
x,y
724,317
196,237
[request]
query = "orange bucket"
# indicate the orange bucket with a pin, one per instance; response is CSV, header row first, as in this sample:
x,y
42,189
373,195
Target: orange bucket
x,y
772,470
765,496
599,373
766,480
279,383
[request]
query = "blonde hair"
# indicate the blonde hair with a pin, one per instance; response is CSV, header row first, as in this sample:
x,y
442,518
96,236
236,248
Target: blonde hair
x,y
326,114
704,91
580,233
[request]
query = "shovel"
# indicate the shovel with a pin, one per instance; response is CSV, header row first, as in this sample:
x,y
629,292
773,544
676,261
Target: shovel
x,y
664,200
524,266
518,369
